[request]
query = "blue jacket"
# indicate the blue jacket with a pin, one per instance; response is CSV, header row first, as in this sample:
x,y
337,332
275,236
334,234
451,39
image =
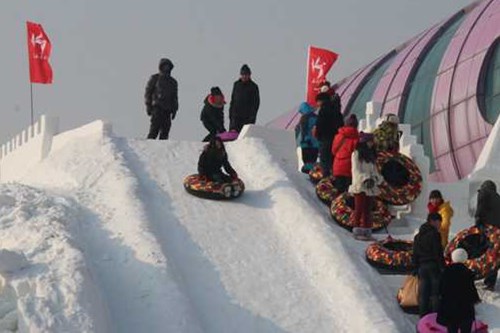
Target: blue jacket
x,y
304,128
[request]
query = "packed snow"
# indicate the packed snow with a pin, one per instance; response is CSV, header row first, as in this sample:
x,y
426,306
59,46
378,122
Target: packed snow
x,y
102,237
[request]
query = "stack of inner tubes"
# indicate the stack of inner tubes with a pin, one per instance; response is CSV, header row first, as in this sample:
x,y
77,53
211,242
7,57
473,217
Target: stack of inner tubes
x,y
202,187
342,211
483,249
326,191
402,178
391,255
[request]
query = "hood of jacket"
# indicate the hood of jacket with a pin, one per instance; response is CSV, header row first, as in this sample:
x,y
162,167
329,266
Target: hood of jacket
x,y
349,132
305,108
488,186
426,228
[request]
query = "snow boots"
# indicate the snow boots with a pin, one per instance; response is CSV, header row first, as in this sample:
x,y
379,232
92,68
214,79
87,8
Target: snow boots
x,y
362,234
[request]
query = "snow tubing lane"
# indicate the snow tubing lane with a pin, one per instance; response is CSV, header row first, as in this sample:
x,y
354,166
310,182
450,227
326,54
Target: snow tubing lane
x,y
484,256
325,190
201,187
316,174
342,211
402,178
393,255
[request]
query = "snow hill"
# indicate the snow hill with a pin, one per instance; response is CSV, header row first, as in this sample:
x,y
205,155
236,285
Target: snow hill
x,y
101,237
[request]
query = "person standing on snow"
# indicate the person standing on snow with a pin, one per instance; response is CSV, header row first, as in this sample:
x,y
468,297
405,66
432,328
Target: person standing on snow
x,y
344,144
213,159
365,181
387,134
329,121
161,100
438,205
458,295
488,213
245,101
212,114
428,260
308,143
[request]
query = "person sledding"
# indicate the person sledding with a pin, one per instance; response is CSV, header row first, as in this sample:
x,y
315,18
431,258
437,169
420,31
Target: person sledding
x,y
212,114
213,159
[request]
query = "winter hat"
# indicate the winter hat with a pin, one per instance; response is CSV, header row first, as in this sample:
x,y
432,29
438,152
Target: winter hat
x,y
245,70
352,121
305,108
324,87
365,137
459,256
166,65
392,118
323,97
215,91
435,194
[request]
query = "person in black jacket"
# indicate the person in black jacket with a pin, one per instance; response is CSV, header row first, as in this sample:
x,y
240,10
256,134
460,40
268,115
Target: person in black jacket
x,y
488,213
212,114
213,159
327,125
428,261
458,295
161,100
245,101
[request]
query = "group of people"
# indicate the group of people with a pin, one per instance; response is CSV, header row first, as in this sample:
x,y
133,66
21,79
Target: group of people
x,y
344,152
450,290
162,104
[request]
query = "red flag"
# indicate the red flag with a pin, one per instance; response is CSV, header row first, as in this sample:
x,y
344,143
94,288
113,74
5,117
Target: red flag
x,y
319,62
39,48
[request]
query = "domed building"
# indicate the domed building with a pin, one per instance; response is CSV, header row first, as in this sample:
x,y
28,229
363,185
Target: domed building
x,y
445,82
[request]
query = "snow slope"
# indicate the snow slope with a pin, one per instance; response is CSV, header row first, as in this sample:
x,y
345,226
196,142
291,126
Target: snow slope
x,y
148,257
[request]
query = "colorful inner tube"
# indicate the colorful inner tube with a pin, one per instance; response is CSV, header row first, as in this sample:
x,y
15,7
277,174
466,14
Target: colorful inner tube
x,y
429,324
402,178
325,190
342,210
201,187
316,174
483,250
392,255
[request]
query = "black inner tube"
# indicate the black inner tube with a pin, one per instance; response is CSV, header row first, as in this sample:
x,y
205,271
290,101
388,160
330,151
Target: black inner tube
x,y
395,174
475,245
399,246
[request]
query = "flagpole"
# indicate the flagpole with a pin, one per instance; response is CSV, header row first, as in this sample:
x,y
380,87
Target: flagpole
x,y
32,113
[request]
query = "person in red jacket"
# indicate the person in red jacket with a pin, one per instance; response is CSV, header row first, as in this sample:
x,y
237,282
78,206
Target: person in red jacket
x,y
344,144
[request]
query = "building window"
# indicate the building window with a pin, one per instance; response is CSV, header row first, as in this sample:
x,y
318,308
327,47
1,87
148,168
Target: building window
x,y
490,106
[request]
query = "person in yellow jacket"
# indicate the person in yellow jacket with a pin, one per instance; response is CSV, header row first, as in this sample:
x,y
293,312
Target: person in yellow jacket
x,y
438,205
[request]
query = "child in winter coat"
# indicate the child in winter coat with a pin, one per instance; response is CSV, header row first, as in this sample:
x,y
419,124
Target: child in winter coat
x,y
308,143
438,205
365,181
387,134
343,146
212,114
458,295
213,159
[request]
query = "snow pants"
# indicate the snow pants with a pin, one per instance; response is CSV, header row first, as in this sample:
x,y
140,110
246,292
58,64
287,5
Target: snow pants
x,y
325,157
342,183
363,211
428,288
161,121
309,157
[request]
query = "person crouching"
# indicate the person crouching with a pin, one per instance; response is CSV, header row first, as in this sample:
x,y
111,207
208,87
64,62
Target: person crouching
x,y
213,159
365,181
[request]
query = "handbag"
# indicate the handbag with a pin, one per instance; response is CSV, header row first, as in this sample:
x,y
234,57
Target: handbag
x,y
408,293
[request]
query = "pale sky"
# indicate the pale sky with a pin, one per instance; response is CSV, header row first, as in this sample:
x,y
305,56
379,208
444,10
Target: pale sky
x,y
105,50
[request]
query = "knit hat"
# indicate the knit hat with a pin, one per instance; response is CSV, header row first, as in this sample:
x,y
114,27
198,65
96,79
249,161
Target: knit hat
x,y
365,137
323,97
459,256
215,91
245,70
352,121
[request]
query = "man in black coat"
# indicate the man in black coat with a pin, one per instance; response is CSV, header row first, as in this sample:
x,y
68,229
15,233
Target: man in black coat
x,y
161,100
488,213
327,125
245,101
458,295
428,260
212,114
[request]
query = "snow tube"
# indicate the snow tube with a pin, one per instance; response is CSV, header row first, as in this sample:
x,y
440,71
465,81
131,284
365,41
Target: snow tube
x,y
390,254
325,190
201,187
342,211
316,174
484,252
429,324
402,178
228,136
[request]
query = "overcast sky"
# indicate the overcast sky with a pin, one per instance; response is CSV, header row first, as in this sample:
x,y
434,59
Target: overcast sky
x,y
105,50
